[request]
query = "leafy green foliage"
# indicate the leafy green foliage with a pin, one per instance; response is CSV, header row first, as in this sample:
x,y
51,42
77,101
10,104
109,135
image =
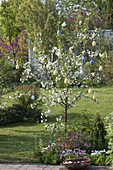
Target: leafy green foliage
x,y
109,13
109,127
98,134
17,114
27,108
98,157
9,76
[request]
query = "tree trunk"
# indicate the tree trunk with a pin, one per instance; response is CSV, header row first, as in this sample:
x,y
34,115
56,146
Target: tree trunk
x,y
65,111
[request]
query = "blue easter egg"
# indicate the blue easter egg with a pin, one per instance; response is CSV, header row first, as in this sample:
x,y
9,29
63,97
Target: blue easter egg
x,y
58,32
84,59
92,62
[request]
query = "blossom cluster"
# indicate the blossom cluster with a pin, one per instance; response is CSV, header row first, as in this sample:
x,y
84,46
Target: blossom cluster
x,y
96,153
72,153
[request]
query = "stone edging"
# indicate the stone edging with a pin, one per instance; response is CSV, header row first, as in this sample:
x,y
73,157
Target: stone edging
x,y
97,168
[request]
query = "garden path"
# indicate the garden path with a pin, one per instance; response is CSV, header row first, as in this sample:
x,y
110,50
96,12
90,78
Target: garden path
x,y
18,166
15,166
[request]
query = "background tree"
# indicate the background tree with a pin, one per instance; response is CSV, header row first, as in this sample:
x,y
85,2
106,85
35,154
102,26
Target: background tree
x,y
39,18
13,42
109,13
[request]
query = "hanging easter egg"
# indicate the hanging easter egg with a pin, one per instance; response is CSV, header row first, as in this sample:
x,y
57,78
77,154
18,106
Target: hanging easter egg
x,y
66,81
100,68
32,97
34,49
58,100
94,98
17,66
92,62
55,72
84,59
49,111
81,72
58,32
94,43
89,91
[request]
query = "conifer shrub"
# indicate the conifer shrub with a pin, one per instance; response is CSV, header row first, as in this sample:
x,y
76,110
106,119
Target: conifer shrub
x,y
98,134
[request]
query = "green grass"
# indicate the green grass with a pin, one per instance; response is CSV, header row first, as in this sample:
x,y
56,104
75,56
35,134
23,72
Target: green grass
x,y
18,142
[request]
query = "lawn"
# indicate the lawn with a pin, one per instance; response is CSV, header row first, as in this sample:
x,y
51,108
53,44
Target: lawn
x,y
18,142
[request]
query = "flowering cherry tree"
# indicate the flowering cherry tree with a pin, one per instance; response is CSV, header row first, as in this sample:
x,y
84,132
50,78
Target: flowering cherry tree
x,y
69,68
64,76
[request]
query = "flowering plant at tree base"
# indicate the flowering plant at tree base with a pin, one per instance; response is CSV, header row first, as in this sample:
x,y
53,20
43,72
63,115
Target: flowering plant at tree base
x,y
61,148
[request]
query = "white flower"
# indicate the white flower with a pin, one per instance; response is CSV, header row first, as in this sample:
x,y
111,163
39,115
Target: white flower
x,y
58,100
77,73
93,74
63,24
10,97
48,66
32,106
80,22
55,48
71,48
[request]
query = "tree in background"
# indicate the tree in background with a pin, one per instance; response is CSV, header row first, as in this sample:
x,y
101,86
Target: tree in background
x,y
38,19
13,44
12,37
109,13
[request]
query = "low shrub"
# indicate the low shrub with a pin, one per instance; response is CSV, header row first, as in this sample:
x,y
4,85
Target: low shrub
x,y
27,107
109,136
9,75
19,113
98,134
